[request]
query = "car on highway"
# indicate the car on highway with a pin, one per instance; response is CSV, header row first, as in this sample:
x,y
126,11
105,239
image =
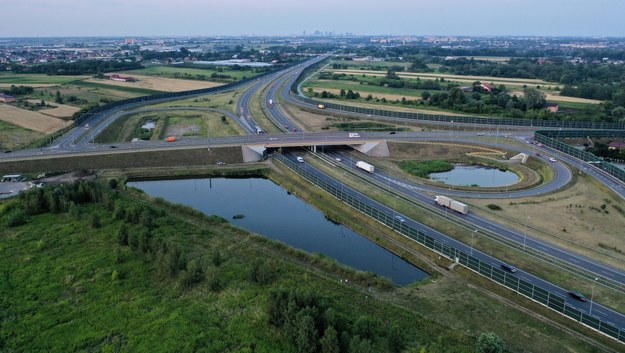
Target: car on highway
x,y
538,154
577,295
112,146
508,267
170,139
392,132
552,159
8,151
300,159
400,219
338,159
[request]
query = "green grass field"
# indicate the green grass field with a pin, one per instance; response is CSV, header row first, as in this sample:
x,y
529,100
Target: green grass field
x,y
134,90
320,85
26,79
192,73
371,64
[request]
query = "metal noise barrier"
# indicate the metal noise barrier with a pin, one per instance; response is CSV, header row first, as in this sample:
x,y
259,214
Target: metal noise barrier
x,y
533,292
549,138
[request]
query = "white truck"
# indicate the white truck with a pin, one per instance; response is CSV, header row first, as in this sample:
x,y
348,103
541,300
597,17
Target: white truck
x,y
365,166
354,134
452,204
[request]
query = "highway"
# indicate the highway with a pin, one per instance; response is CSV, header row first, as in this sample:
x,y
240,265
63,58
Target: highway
x,y
78,141
599,311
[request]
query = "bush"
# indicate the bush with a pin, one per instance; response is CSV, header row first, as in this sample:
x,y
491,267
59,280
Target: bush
x,y
423,169
16,218
494,207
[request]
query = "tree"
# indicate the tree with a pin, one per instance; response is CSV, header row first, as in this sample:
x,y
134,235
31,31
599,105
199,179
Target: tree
x,y
342,93
533,98
330,341
122,235
306,334
58,98
489,342
425,95
618,112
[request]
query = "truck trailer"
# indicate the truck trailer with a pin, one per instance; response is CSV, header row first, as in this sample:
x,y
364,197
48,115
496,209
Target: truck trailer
x,y
365,166
452,204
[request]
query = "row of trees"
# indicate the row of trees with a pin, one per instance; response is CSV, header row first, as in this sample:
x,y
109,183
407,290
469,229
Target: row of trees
x,y
81,67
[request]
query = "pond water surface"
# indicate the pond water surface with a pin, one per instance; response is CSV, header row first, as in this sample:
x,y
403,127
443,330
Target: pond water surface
x,y
270,210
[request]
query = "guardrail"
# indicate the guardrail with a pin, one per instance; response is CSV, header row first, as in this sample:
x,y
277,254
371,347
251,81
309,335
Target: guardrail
x,y
523,287
464,119
549,138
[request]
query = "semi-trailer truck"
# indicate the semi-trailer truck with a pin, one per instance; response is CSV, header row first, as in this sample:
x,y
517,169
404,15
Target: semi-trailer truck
x,y
365,166
452,204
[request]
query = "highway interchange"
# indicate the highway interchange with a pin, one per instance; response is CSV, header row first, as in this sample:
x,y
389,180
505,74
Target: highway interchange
x,y
276,87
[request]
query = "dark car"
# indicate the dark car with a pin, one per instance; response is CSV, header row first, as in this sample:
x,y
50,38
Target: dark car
x,y
392,132
508,268
113,146
8,151
577,295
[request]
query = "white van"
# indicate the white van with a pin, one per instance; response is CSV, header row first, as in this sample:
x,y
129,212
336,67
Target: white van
x,y
300,159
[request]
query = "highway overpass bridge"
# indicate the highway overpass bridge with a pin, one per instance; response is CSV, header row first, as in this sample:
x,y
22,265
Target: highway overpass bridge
x,y
373,148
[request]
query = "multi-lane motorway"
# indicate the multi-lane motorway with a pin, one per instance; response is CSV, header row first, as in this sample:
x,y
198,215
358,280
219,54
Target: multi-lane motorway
x,y
78,140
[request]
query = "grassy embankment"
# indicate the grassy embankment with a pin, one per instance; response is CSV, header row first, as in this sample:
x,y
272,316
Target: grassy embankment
x,y
183,123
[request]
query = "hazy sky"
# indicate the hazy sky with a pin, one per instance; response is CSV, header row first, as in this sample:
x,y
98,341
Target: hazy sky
x,y
20,18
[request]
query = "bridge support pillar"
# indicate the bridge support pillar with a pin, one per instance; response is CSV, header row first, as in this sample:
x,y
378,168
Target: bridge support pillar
x,y
253,153
373,148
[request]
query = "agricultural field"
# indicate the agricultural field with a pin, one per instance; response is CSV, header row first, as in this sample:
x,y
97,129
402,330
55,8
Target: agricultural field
x,y
375,90
157,84
453,78
35,80
14,137
57,110
191,73
369,65
35,121
225,101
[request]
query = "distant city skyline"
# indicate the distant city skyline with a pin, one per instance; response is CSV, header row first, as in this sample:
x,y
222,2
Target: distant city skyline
x,y
44,18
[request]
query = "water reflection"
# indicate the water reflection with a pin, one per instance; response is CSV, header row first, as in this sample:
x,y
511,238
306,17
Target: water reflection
x,y
266,208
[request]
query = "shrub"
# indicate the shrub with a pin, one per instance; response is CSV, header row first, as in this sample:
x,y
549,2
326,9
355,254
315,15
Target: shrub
x,y
494,207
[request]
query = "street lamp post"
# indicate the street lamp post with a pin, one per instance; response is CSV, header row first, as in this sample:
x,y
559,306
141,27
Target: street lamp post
x,y
592,294
472,235
525,232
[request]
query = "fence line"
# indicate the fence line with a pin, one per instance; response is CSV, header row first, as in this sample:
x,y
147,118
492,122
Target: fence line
x,y
523,287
